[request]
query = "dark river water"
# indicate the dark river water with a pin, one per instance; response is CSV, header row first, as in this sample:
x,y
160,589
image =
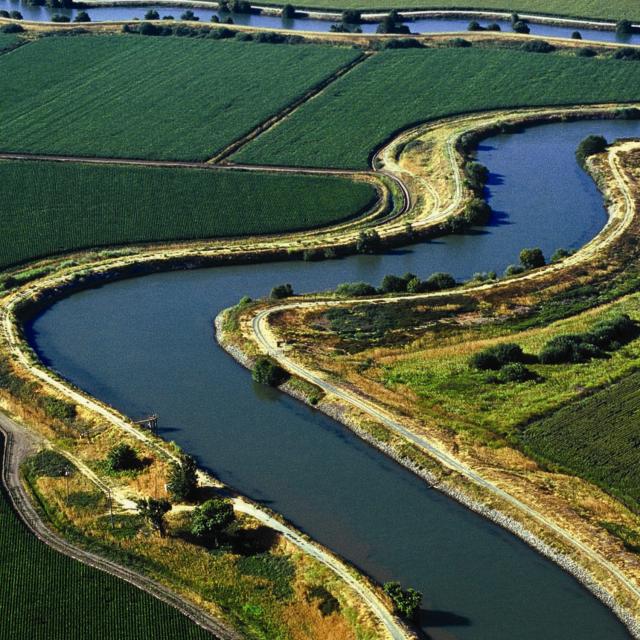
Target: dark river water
x,y
425,25
147,345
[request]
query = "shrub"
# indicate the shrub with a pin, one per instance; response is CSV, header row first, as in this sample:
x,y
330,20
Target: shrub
x,y
391,23
152,14
538,46
514,270
514,372
393,284
586,52
627,53
613,332
327,603
50,464
59,409
267,372
59,18
122,457
477,175
355,289
494,26
570,348
189,15
15,15
458,43
474,25
281,291
561,254
403,43
243,36
496,357
12,28
476,213
576,35
590,146
532,258
440,280
148,29
82,16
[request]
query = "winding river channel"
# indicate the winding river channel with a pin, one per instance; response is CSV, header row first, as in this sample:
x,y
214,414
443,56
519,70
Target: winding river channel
x,y
129,11
147,344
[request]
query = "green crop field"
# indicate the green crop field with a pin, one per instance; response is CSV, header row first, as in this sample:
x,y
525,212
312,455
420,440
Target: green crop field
x,y
395,89
47,596
616,10
163,98
56,207
8,41
597,438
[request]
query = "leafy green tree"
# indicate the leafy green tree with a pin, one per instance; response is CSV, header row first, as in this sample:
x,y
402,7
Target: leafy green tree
x,y
266,371
576,35
189,15
406,601
440,280
82,16
122,457
211,519
355,289
154,511
624,28
351,16
561,254
532,258
368,242
521,27
590,146
288,12
183,480
152,14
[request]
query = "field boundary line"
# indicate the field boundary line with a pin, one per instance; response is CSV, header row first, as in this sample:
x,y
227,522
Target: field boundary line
x,y
274,120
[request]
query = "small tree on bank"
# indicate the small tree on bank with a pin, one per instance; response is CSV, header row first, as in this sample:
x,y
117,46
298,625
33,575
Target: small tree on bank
x,y
405,601
182,481
211,519
590,146
122,457
154,511
267,372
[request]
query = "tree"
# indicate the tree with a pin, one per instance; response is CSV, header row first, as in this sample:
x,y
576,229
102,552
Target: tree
x,y
281,291
561,254
82,16
15,15
624,28
474,25
532,258
590,146
355,289
60,18
154,512
368,242
576,35
391,23
406,601
122,457
266,371
211,519
351,16
183,480
189,15
521,27
12,28
152,14
288,12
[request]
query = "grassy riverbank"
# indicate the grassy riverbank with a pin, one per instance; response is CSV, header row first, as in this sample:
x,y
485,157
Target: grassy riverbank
x,y
394,89
48,596
141,97
59,207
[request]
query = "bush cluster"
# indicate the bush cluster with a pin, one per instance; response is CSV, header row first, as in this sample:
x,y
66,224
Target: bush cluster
x,y
281,291
50,464
607,335
496,357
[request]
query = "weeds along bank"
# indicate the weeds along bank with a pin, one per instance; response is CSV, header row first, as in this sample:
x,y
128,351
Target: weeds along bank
x,y
419,369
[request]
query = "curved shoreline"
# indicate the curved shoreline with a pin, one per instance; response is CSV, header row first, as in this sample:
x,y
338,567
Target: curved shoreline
x,y
61,286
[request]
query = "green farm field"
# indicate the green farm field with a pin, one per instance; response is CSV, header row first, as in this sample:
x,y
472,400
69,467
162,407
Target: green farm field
x,y
597,438
58,207
395,89
139,97
47,596
617,10
8,41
